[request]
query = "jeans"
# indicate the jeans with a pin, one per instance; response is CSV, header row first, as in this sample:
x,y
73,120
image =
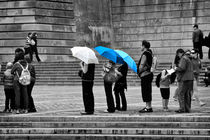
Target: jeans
x,y
21,95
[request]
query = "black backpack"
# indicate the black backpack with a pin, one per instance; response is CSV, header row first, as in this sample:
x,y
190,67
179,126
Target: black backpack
x,y
157,81
173,77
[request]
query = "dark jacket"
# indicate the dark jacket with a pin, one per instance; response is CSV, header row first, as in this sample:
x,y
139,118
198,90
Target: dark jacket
x,y
89,75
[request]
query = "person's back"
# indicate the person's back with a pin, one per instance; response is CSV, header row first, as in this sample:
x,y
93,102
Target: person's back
x,y
8,88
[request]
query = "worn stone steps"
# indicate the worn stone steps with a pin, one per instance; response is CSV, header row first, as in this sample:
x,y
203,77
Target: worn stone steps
x,y
105,127
100,137
113,124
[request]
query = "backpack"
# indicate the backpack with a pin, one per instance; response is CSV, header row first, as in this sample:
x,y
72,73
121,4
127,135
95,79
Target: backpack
x,y
25,77
173,77
154,64
157,81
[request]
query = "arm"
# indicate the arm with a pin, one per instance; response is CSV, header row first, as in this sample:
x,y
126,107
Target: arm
x,y
142,66
84,67
182,66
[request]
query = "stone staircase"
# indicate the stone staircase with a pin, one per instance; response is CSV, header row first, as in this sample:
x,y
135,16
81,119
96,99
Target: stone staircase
x,y
105,128
66,73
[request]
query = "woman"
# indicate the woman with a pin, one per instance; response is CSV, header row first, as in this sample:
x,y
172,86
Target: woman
x,y
88,72
120,86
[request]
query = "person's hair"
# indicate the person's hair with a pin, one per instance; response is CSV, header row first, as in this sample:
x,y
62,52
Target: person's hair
x,y
179,51
195,25
29,33
28,59
18,50
146,44
9,65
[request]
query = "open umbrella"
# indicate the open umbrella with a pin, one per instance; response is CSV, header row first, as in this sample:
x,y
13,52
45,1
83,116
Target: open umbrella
x,y
85,54
131,63
109,54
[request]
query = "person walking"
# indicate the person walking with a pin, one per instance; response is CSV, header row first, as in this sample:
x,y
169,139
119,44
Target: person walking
x,y
146,76
109,78
9,89
197,39
185,76
120,86
34,46
87,75
196,71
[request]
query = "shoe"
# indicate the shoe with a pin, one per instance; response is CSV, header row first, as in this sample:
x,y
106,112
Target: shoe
x,y
202,104
179,111
193,99
118,108
145,110
86,113
6,110
106,111
32,110
17,111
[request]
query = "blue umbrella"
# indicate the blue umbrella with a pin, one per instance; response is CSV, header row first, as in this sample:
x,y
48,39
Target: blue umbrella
x,y
131,63
109,54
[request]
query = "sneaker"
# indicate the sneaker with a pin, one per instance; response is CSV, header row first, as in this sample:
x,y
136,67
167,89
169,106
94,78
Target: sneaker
x,y
17,111
146,110
6,110
86,113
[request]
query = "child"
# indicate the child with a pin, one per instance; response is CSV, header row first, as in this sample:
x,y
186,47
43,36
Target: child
x,y
8,89
165,88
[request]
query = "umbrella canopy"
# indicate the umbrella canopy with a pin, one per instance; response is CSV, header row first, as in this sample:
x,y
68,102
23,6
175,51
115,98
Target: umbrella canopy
x,y
109,54
131,63
85,54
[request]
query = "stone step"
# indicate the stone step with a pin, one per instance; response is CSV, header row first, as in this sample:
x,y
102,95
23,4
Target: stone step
x,y
113,124
116,131
105,119
99,137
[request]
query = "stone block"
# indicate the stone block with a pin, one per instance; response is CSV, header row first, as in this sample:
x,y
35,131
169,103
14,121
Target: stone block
x,y
55,13
54,5
55,20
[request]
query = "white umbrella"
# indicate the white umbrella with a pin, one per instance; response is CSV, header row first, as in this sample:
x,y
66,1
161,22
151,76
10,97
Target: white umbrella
x,y
85,54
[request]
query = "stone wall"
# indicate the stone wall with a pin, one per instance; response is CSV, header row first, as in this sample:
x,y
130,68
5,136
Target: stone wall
x,y
60,25
93,22
167,24
53,20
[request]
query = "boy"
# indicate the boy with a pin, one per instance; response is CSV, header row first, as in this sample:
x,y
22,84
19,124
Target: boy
x,y
8,89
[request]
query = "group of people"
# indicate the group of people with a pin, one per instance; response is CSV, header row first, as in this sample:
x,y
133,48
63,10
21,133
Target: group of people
x,y
18,98
186,69
186,66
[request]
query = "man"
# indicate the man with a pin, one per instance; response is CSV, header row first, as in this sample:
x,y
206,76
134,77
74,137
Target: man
x,y
144,72
197,38
185,77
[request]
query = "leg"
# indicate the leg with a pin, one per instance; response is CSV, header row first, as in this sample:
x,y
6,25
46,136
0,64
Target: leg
x,y
17,94
109,97
123,99
117,99
36,53
88,97
6,91
12,99
189,86
24,93
31,105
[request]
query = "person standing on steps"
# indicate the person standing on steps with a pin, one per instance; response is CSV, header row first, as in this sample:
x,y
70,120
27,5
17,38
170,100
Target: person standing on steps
x,y
120,86
87,74
197,39
108,73
185,76
146,76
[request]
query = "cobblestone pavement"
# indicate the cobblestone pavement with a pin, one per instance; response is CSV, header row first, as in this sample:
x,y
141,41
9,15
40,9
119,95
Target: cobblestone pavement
x,y
67,101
